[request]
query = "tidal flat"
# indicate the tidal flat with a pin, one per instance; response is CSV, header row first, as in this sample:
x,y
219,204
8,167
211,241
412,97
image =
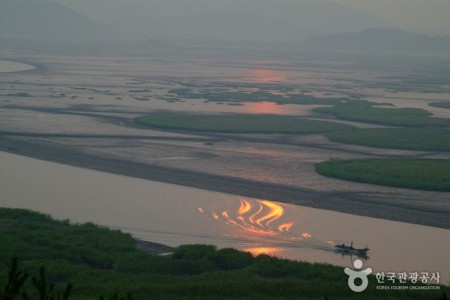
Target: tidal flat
x,y
80,110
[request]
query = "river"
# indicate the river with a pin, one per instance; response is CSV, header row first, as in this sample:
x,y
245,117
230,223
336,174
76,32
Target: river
x,y
174,215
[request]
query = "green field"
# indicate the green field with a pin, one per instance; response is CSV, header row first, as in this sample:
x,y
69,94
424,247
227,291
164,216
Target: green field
x,y
421,139
440,104
424,174
238,123
98,261
404,117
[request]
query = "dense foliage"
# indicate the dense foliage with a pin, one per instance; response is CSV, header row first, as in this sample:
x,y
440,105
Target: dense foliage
x,y
97,261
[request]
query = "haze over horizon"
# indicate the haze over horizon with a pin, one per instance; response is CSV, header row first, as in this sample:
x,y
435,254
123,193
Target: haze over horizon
x,y
313,25
425,17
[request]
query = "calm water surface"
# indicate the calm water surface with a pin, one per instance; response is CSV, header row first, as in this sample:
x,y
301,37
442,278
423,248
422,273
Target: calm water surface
x,y
175,215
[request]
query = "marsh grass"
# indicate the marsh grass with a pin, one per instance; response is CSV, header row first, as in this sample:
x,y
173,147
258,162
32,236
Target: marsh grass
x,y
424,174
403,117
420,139
440,104
238,123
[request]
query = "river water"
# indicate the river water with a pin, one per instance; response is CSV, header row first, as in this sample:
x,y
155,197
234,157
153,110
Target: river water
x,y
175,215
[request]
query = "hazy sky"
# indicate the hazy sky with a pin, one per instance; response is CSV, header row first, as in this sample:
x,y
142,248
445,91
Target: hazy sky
x,y
424,16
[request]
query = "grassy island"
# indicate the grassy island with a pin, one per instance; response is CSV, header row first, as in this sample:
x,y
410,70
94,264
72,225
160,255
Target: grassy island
x,y
404,117
424,174
440,104
238,123
420,139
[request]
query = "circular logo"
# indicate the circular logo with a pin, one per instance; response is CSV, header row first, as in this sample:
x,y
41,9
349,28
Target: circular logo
x,y
358,273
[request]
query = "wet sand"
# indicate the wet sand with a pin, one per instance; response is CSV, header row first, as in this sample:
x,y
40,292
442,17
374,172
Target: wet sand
x,y
11,66
392,206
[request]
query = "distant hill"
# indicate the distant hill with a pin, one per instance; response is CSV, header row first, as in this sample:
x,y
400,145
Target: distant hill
x,y
239,20
387,41
268,21
232,26
44,20
305,24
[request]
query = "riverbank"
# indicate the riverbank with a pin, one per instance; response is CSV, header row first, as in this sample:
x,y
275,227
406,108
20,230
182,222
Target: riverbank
x,y
381,205
153,248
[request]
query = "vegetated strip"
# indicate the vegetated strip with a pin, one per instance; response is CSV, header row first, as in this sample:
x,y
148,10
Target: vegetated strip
x,y
440,104
99,261
405,117
238,123
423,174
419,139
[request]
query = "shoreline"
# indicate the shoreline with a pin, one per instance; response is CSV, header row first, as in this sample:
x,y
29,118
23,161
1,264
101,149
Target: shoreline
x,y
344,202
152,247
15,66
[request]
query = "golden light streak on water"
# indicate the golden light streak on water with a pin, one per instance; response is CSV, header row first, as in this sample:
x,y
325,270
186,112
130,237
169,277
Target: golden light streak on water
x,y
276,212
306,235
252,217
245,207
257,217
267,75
255,251
285,227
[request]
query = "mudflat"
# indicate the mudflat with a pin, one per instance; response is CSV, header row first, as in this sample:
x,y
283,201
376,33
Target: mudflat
x,y
81,111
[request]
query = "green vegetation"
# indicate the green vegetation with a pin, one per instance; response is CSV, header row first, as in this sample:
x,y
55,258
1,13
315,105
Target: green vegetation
x,y
97,261
44,289
421,139
425,174
273,93
239,123
440,104
405,117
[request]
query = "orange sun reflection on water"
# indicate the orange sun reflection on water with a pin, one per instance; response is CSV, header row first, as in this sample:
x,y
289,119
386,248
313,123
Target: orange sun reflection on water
x,y
255,251
266,75
261,222
264,107
259,217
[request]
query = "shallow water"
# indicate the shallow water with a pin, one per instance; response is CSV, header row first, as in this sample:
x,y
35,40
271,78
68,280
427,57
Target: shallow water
x,y
11,66
175,215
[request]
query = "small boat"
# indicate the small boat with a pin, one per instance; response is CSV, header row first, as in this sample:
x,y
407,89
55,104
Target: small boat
x,y
349,249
